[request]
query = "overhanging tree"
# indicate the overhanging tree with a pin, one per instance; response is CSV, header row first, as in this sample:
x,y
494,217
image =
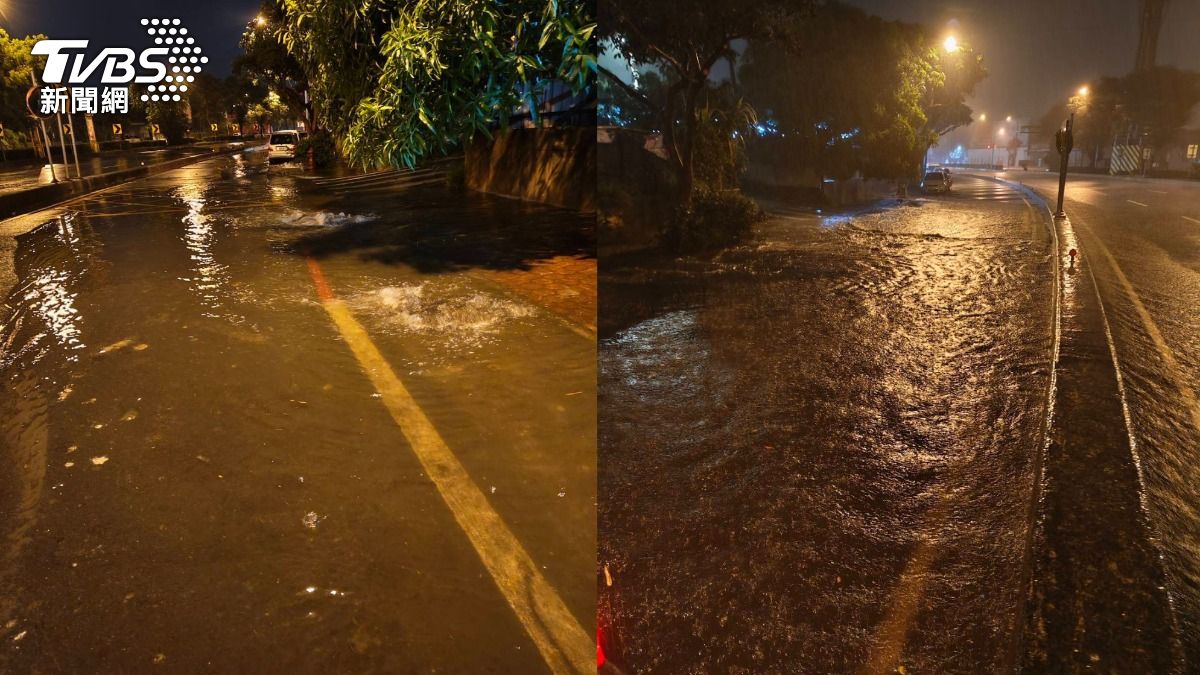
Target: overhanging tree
x,y
685,39
398,81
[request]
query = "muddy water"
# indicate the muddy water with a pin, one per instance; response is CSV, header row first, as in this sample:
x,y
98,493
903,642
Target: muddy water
x,y
201,478
817,449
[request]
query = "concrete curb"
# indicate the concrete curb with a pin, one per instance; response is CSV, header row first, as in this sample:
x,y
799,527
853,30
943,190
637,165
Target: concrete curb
x,y
38,198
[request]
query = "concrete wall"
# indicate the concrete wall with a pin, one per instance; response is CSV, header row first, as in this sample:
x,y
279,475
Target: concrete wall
x,y
552,165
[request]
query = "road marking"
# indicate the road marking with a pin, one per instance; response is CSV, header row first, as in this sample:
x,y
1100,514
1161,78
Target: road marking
x,y
564,645
1173,368
1134,452
1133,202
1192,219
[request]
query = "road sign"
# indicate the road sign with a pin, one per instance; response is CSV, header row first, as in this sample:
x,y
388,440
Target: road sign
x,y
67,129
157,131
214,126
117,131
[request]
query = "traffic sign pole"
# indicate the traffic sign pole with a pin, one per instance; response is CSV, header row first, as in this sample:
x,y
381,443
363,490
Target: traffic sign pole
x,y
1064,140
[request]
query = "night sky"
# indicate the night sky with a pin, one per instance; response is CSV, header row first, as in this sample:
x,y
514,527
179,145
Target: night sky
x,y
216,24
1038,52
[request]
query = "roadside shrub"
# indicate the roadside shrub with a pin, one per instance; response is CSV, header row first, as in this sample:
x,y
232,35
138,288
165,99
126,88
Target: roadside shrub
x,y
322,146
716,219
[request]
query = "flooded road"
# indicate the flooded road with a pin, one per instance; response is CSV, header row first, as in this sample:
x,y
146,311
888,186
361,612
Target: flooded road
x,y
819,449
249,426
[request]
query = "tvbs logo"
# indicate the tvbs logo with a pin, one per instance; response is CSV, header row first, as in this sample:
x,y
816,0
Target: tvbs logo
x,y
167,68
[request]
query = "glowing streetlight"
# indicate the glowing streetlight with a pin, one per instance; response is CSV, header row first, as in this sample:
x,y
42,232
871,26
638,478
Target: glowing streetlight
x,y
1084,91
1008,119
950,44
982,117
260,21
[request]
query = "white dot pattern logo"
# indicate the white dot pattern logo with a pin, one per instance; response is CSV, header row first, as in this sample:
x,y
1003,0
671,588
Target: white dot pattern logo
x,y
172,33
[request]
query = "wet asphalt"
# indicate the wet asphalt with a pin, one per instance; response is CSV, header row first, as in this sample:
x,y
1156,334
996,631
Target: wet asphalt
x,y
1139,246
200,476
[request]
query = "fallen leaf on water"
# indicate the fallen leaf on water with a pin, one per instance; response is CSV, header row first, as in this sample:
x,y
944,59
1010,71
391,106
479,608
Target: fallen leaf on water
x,y
99,460
129,416
119,344
140,347
66,392
607,577
69,464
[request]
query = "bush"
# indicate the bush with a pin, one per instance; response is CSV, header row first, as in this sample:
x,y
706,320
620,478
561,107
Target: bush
x,y
716,219
320,143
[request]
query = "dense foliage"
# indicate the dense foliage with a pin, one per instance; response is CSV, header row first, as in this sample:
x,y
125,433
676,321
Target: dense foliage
x,y
398,80
16,65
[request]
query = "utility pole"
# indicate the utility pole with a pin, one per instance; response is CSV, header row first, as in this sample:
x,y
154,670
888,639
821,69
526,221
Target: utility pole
x,y
1150,23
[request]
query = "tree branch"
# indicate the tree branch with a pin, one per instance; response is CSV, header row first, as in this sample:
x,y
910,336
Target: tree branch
x,y
625,86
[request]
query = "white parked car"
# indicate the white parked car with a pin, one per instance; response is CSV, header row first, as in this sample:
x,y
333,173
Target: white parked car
x,y
282,145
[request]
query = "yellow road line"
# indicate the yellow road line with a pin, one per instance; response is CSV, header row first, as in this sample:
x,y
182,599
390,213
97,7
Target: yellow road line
x,y
1173,369
564,645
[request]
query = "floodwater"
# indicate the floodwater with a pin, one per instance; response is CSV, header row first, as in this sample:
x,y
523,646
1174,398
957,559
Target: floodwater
x,y
200,476
818,450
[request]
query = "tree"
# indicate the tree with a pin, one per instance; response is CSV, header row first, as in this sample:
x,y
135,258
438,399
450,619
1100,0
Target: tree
x,y
847,93
266,62
170,118
685,39
16,65
1146,107
209,99
267,112
397,81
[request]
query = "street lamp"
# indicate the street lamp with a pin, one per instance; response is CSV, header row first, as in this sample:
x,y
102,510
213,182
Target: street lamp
x,y
260,21
950,44
1083,91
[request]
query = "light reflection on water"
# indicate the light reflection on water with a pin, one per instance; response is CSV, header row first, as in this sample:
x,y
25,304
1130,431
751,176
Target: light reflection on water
x,y
51,298
209,276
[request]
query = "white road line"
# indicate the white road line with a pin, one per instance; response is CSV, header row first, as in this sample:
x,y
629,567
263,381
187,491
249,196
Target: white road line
x,y
1192,219
1133,202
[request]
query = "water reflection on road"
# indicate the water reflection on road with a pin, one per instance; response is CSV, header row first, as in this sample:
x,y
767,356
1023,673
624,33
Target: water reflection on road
x,y
200,476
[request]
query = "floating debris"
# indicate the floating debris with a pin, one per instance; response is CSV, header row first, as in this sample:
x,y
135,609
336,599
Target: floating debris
x,y
119,344
69,464
311,519
66,392
141,346
99,460
129,416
